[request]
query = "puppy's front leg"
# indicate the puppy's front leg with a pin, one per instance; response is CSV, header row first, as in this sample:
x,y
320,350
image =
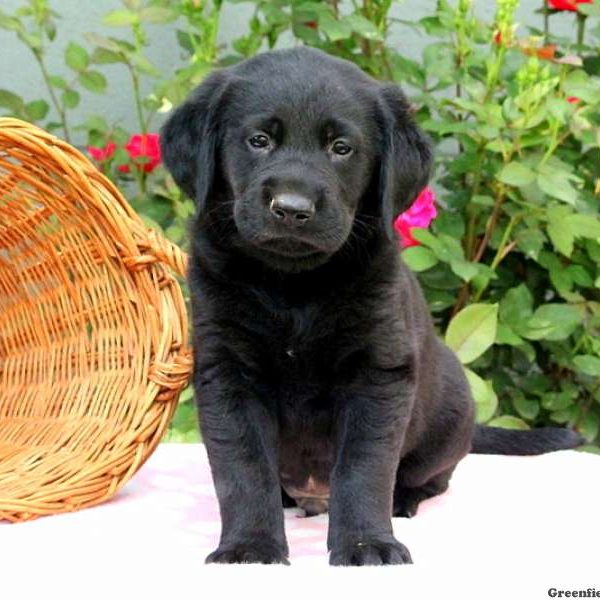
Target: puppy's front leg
x,y
371,425
240,434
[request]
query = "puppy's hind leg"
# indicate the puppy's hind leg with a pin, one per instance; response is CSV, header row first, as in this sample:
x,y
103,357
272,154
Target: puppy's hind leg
x,y
426,470
407,499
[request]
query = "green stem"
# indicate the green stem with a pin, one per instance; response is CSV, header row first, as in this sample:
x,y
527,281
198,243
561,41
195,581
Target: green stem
x,y
580,28
137,98
140,175
546,14
504,241
470,238
494,73
553,143
212,51
491,224
142,183
578,344
500,253
62,115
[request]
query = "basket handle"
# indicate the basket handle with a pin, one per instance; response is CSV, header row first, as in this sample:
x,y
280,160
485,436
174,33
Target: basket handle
x,y
167,252
154,247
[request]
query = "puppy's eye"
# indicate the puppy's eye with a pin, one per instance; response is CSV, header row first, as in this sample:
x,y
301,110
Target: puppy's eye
x,y
340,148
260,141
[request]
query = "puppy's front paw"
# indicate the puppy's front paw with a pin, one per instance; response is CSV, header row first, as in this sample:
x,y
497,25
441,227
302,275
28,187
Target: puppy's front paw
x,y
370,551
249,552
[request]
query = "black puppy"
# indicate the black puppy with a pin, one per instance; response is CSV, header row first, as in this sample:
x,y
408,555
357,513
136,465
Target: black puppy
x,y
316,364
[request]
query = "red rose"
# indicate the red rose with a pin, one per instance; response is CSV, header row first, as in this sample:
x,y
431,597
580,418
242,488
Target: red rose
x,y
102,154
143,146
566,4
573,100
420,215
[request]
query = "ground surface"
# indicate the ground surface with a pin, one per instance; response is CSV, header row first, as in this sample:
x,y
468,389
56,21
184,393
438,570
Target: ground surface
x,y
517,521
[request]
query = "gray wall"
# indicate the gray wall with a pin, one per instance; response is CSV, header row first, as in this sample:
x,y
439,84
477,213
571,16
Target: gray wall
x,y
19,73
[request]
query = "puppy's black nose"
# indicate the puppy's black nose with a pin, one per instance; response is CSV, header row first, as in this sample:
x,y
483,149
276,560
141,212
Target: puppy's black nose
x,y
292,209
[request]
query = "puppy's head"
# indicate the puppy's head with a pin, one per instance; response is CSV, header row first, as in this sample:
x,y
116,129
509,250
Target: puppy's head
x,y
292,151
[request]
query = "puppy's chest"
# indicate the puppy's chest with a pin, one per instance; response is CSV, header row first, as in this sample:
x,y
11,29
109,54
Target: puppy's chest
x,y
301,345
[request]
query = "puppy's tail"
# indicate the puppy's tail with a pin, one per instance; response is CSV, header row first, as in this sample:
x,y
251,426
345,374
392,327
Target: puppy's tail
x,y
496,440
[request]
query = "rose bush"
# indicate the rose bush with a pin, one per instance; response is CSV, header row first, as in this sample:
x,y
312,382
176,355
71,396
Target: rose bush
x,y
510,266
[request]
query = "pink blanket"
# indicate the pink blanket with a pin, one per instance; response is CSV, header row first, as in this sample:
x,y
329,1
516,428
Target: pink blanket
x,y
500,514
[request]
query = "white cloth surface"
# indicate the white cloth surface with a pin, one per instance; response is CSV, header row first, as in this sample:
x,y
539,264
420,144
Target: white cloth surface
x,y
515,525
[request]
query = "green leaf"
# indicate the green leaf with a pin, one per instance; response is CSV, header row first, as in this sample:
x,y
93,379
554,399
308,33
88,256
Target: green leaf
x,y
70,98
407,70
560,233
531,242
486,401
589,425
187,40
506,335
440,278
10,23
588,364
102,56
579,84
157,14
11,101
445,247
438,61
95,123
33,40
93,81
58,82
144,65
556,184
553,322
363,27
566,415
561,280
333,28
508,422
464,269
556,400
472,331
76,57
516,174
586,226
419,258
591,10
517,305
120,18
37,109
103,42
580,276
528,409
439,300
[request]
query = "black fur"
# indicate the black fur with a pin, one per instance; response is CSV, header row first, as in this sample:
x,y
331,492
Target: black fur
x,y
493,440
316,364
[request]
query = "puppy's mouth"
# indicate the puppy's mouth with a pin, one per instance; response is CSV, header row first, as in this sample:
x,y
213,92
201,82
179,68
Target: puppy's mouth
x,y
289,247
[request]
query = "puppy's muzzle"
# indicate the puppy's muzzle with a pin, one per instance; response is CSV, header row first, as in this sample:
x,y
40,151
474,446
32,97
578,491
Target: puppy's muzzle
x,y
292,210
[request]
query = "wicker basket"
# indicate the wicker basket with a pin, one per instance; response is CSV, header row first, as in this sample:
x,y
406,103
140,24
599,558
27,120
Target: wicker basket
x,y
93,331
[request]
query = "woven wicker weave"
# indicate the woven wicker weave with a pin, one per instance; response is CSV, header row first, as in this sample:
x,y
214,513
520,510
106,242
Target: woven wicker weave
x,y
93,332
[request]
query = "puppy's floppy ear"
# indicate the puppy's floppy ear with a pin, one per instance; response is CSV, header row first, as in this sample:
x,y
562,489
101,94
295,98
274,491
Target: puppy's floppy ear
x,y
407,158
189,139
